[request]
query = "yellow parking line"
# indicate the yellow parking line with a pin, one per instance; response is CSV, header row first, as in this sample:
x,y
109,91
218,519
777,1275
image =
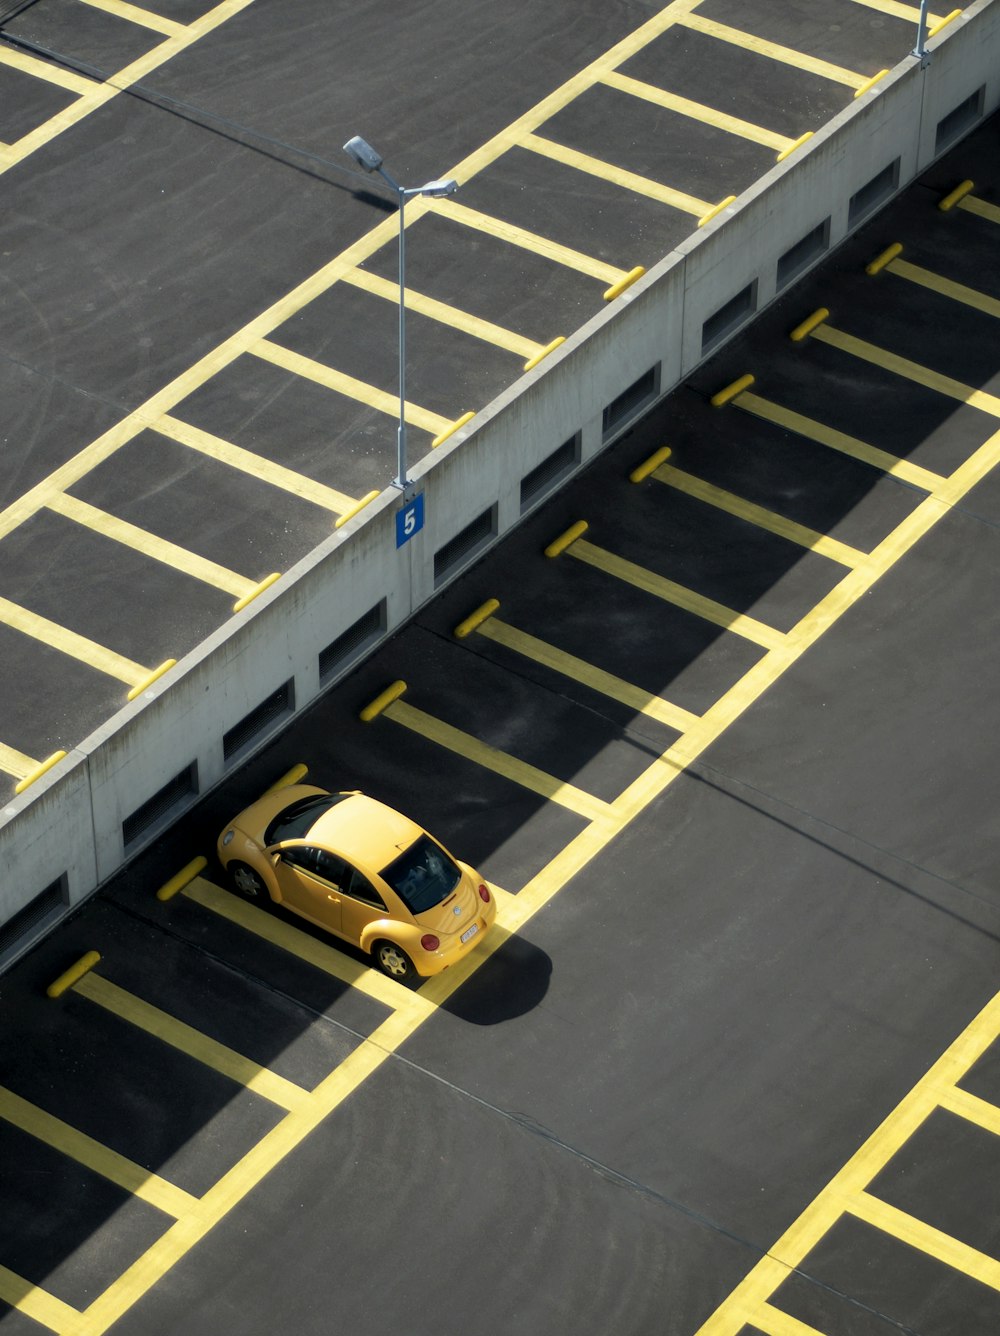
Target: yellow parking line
x,y
304,947
981,301
150,545
445,314
757,515
502,633
501,763
531,241
95,95
762,47
837,440
347,385
255,465
900,1225
697,111
149,1187
606,171
263,1082
68,642
40,69
679,595
14,762
773,1322
897,10
38,1304
143,17
902,366
972,1109
980,207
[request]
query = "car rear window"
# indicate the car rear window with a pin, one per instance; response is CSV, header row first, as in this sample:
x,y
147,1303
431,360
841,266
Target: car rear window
x,y
423,875
296,821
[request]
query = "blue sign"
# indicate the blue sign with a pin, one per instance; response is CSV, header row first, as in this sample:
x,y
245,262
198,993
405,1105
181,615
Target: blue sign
x,y
410,520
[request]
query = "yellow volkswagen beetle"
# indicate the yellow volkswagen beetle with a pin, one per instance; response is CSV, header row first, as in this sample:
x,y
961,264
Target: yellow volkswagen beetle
x,y
362,871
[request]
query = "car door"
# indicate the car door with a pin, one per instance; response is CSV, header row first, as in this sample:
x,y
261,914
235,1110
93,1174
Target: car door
x,y
309,882
361,904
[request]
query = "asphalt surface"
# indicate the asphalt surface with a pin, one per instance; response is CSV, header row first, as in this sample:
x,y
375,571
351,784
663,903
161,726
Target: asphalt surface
x,y
145,229
747,907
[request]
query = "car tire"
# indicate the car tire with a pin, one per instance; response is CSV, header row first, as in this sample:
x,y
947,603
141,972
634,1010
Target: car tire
x,y
247,883
393,961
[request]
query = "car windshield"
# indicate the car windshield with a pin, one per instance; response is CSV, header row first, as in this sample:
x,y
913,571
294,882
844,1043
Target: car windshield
x,y
296,821
423,875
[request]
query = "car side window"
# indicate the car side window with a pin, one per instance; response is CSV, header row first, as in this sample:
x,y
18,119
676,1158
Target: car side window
x,y
360,888
318,862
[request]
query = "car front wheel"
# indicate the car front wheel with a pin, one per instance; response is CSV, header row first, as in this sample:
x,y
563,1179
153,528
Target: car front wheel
x,y
393,960
247,883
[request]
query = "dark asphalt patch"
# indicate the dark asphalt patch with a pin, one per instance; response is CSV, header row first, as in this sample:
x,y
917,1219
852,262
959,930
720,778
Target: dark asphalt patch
x,y
840,31
27,102
83,37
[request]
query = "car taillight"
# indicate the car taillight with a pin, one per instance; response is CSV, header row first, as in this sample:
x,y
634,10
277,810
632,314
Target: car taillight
x,y
484,895
429,942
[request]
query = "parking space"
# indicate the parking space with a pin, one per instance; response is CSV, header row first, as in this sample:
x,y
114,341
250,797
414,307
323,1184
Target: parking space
x,y
715,725
276,358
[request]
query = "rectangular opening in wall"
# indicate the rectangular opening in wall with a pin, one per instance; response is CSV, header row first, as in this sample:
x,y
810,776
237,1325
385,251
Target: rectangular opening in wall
x,y
546,474
870,196
45,907
259,720
631,401
803,253
728,317
366,631
155,811
959,119
472,538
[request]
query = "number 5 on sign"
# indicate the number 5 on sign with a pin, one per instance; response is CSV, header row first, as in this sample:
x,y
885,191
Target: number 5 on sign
x,y
410,520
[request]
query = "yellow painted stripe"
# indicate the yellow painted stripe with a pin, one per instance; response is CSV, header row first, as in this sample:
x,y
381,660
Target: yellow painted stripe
x,y
596,678
149,1187
347,386
958,292
757,515
679,595
776,1323
531,241
143,17
972,1109
445,314
897,10
697,111
16,763
42,1307
902,366
926,1238
299,944
255,465
837,440
761,47
68,642
40,69
501,763
267,1084
639,185
150,545
981,208
96,95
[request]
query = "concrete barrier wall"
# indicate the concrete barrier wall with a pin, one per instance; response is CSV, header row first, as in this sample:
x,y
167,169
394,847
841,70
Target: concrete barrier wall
x,y
65,831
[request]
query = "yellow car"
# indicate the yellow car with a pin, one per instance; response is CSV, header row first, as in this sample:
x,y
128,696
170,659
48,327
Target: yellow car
x,y
362,871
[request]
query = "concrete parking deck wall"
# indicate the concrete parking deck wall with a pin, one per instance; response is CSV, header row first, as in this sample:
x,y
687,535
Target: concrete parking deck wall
x,y
64,834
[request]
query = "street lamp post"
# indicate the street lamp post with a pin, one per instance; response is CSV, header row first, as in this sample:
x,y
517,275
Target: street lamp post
x,y
365,156
920,50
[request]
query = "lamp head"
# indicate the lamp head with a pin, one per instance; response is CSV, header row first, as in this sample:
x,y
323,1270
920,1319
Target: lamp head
x,y
438,188
363,154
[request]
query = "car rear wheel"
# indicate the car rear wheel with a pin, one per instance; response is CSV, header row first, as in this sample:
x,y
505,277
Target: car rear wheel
x,y
247,883
393,960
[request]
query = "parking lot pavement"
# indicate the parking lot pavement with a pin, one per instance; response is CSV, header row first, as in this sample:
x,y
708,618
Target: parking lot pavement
x,y
716,725
198,365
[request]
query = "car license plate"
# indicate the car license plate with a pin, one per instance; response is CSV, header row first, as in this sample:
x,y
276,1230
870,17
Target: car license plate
x,y
470,932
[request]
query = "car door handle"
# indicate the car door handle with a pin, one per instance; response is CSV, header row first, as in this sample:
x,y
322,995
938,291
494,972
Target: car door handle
x,y
334,898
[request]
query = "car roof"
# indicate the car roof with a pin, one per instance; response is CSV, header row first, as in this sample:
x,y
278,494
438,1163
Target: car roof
x,y
365,831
